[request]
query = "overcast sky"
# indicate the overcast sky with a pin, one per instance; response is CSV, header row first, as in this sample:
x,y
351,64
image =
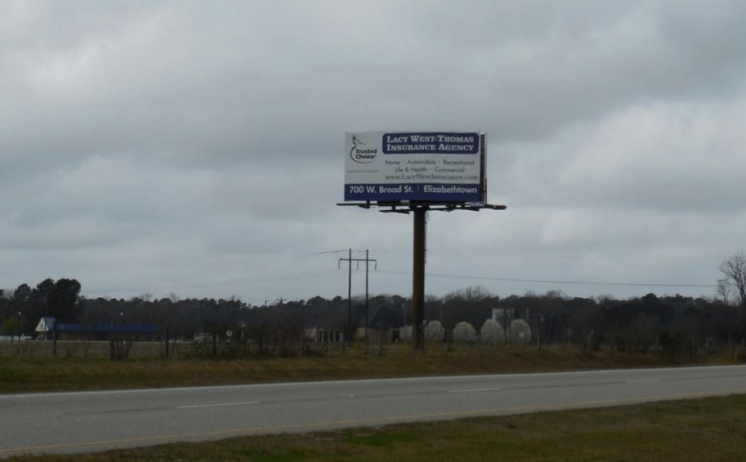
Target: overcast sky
x,y
197,148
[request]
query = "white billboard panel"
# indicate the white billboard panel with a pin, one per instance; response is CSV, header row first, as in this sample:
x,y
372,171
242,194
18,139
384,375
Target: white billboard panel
x,y
441,167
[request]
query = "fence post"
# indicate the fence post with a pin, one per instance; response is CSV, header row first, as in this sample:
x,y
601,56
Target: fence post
x,y
167,326
111,341
54,339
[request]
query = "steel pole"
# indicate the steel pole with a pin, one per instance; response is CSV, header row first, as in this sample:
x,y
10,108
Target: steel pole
x,y
366,297
418,277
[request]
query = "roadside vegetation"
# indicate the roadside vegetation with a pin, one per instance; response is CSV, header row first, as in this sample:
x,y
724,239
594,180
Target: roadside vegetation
x,y
24,372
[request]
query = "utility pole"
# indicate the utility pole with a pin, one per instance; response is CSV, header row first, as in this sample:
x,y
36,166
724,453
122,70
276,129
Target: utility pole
x,y
349,260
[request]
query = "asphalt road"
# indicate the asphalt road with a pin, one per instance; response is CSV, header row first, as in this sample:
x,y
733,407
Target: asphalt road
x,y
94,421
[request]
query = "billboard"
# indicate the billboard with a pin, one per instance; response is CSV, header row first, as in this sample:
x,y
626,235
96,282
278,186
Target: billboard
x,y
440,167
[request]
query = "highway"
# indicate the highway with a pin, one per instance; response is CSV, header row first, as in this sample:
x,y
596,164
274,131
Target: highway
x,y
96,421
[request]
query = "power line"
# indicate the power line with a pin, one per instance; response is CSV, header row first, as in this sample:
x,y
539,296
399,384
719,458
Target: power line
x,y
587,255
325,252
559,281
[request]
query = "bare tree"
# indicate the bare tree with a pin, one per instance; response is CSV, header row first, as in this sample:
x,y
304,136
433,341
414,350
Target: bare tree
x,y
723,291
734,270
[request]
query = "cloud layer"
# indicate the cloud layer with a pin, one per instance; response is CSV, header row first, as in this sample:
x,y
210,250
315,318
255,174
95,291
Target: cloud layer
x,y
197,148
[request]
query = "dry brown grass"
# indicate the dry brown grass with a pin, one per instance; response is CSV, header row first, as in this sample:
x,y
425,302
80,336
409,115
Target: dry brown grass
x,y
28,374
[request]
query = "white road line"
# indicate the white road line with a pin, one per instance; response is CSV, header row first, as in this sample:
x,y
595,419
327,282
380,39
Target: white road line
x,y
196,406
643,381
474,390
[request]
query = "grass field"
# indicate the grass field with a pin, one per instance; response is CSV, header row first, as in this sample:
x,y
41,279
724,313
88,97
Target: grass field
x,y
712,429
21,373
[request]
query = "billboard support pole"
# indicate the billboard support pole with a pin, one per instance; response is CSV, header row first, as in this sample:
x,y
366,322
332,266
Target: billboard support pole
x,y
418,276
367,301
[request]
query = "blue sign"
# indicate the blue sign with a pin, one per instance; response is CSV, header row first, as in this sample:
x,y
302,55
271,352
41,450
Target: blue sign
x,y
430,143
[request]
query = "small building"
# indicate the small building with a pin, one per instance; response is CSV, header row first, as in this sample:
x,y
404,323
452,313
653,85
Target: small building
x,y
325,335
45,327
386,324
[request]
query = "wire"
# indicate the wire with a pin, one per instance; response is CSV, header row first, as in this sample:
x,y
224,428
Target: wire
x,y
558,281
324,252
595,256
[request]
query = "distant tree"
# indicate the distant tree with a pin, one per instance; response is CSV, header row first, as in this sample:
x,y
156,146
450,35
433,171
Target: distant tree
x,y
464,332
734,270
317,300
5,306
11,326
39,298
469,294
723,291
22,301
555,294
22,293
520,331
63,300
434,332
492,333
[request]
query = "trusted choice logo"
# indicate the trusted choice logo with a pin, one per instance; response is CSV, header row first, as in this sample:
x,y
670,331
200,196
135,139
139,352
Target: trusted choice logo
x,y
362,155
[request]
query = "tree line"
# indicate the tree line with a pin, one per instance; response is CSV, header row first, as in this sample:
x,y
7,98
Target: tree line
x,y
22,308
632,323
